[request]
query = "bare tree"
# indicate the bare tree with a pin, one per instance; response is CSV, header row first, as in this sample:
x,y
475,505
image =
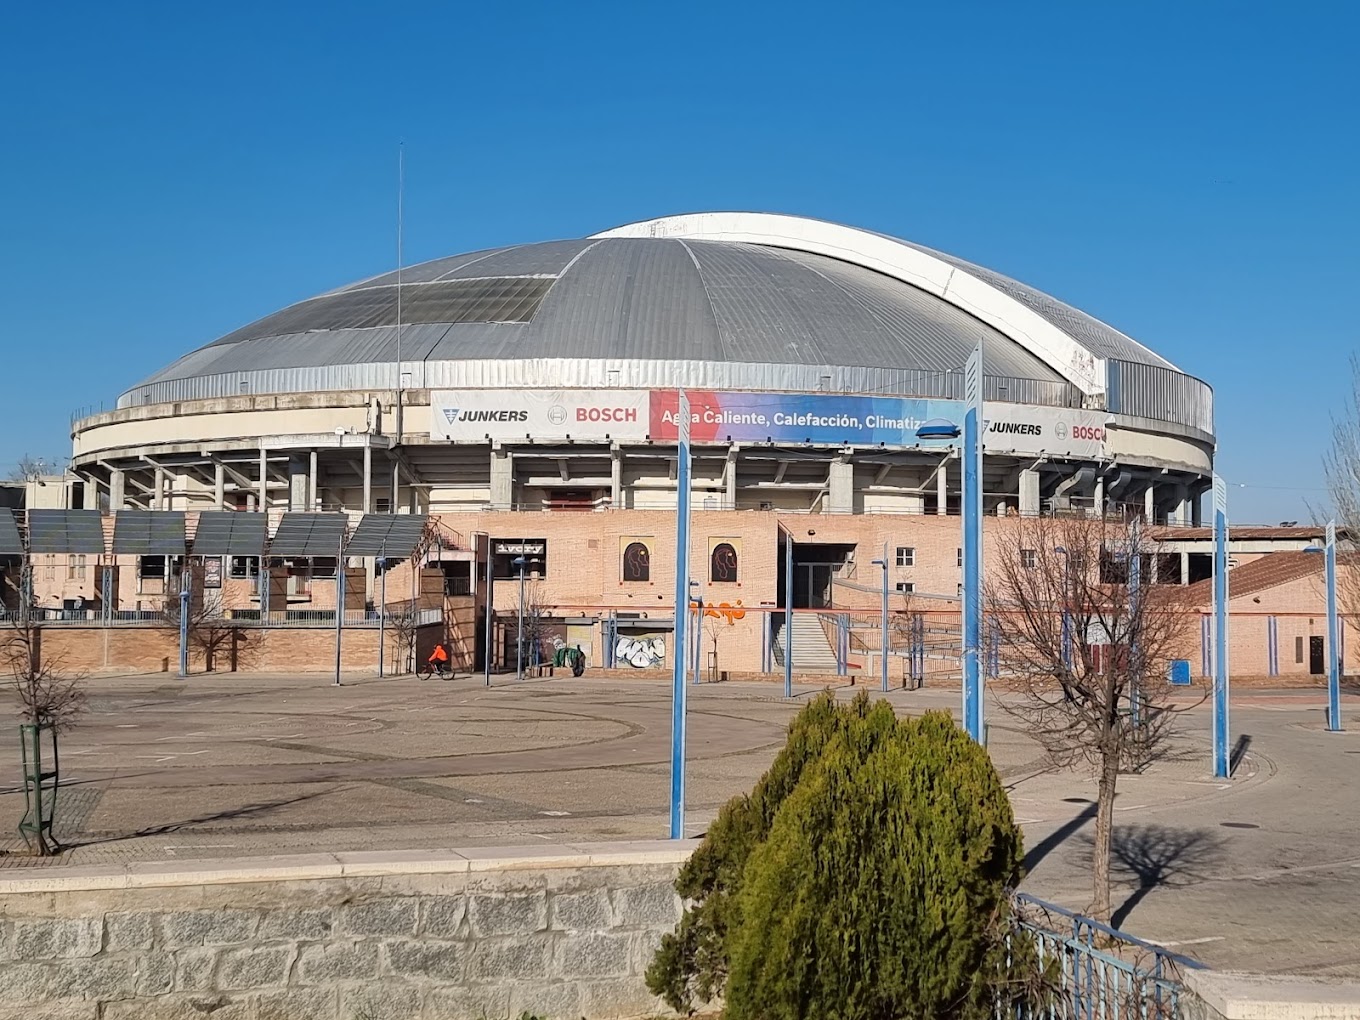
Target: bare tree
x,y
211,632
1342,463
534,622
51,697
30,469
1084,641
403,620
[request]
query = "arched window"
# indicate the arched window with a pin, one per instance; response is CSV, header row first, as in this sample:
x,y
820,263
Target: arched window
x,y
637,562
722,563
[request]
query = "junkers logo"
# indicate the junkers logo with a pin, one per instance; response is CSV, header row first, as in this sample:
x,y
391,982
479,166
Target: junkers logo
x,y
454,415
1015,428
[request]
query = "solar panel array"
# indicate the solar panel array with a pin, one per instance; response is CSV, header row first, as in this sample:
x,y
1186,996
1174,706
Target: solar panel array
x,y
302,534
229,533
394,536
10,542
148,533
65,531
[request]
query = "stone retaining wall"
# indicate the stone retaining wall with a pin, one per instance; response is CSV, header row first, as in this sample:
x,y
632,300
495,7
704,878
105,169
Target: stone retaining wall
x,y
561,932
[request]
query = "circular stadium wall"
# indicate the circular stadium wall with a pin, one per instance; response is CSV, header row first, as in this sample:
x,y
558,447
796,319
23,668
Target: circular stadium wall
x,y
544,376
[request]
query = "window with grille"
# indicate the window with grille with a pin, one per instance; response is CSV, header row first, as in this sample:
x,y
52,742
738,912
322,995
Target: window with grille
x,y
906,587
958,557
1029,558
906,556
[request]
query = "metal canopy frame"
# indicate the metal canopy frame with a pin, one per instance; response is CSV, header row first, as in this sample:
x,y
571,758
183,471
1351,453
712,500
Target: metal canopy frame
x,y
65,531
393,536
309,534
230,533
11,543
148,533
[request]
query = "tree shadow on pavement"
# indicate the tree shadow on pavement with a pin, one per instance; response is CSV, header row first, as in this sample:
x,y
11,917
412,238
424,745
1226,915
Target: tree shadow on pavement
x,y
246,811
1057,837
1157,856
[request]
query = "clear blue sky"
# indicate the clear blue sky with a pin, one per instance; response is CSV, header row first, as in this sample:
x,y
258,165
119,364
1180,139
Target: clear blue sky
x,y
1185,171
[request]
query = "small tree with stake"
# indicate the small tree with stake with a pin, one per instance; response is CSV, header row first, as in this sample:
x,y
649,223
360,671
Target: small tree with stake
x,y
1085,639
51,698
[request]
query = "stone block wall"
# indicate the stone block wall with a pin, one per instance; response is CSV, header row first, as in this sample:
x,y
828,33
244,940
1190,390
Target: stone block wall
x,y
562,932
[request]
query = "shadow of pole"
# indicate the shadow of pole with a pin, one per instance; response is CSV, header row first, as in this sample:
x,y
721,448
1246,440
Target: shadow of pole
x,y
1239,751
1056,838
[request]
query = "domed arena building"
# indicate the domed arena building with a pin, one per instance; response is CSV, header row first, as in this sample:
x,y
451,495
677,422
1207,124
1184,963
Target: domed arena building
x,y
526,398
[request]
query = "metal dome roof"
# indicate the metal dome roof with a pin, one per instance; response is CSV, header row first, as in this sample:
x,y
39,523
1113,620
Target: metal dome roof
x,y
736,301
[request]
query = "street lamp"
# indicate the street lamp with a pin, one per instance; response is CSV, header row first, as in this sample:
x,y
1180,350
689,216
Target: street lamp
x,y
883,563
971,431
1333,631
518,561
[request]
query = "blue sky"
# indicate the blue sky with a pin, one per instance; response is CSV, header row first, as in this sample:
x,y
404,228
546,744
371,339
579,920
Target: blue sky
x,y
1184,171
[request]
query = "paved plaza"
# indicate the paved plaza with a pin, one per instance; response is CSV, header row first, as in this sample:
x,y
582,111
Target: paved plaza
x,y
1260,873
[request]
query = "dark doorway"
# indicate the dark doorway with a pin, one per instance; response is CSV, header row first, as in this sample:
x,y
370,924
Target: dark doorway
x,y
815,564
1317,654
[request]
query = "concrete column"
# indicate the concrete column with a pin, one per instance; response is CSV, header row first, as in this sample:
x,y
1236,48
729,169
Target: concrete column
x,y
395,496
116,492
1185,568
297,483
1098,502
263,498
841,486
219,485
90,493
1150,504
730,477
942,489
1029,493
368,480
1196,501
313,496
1185,511
502,479
616,478
158,498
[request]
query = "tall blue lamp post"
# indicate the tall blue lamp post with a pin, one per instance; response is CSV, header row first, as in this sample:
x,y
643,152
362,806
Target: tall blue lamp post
x,y
1333,632
518,562
1220,628
972,536
678,656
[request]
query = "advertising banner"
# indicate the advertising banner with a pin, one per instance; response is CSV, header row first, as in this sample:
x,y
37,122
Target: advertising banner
x,y
824,419
469,415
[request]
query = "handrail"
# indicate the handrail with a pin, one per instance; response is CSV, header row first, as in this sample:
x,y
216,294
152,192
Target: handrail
x,y
1081,921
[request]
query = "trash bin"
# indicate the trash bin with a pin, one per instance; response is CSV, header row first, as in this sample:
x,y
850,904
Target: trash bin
x,y
1179,673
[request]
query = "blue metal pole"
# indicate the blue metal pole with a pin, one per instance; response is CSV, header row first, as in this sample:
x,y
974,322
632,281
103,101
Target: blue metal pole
x,y
1333,637
698,636
884,623
788,615
184,624
1220,628
1135,595
681,615
972,548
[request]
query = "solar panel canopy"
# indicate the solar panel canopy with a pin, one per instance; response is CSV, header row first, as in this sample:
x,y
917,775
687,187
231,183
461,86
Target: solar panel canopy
x,y
10,542
394,536
309,535
65,531
148,533
229,533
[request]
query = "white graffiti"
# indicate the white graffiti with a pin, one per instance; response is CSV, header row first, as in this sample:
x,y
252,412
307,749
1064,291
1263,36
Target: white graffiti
x,y
642,653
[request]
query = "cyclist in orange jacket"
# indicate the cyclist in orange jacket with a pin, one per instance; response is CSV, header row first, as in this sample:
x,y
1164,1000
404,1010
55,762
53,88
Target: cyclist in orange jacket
x,y
439,659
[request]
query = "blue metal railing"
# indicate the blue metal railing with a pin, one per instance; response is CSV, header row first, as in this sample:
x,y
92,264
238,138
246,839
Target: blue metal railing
x,y
1092,971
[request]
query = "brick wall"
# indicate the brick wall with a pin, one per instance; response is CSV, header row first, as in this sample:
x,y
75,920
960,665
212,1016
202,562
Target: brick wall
x,y
558,932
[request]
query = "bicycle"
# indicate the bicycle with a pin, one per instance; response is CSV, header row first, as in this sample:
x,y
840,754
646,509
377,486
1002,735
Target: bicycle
x,y
428,669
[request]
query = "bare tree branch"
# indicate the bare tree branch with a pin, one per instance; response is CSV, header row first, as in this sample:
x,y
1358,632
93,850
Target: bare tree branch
x,y
1085,639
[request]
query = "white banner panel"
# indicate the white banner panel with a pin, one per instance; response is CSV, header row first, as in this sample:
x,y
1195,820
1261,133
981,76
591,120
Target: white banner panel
x,y
1062,431
469,415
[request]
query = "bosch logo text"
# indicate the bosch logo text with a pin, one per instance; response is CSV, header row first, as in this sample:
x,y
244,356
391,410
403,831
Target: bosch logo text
x,y
606,414
1091,432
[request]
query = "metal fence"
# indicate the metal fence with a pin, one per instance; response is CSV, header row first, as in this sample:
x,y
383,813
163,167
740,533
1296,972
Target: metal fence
x,y
1090,971
298,618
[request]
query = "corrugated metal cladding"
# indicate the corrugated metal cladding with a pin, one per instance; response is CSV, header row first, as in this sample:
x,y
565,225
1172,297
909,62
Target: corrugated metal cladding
x,y
635,312
1147,391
